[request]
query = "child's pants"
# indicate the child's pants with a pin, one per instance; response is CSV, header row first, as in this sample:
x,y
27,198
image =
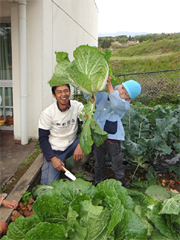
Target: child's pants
x,y
113,149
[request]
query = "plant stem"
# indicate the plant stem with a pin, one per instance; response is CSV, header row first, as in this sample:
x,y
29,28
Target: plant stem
x,y
135,170
140,128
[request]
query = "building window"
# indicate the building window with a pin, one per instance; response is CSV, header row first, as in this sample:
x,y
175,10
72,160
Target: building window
x,y
5,52
6,93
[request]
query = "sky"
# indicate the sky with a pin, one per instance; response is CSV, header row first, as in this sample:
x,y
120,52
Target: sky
x,y
150,16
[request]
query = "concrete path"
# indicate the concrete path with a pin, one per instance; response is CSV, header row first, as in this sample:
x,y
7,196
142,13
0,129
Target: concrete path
x,y
12,154
26,181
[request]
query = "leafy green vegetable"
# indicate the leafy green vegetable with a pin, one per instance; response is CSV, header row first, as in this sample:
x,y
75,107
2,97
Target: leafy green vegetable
x,y
164,223
171,206
78,210
86,140
158,192
40,190
21,227
97,134
46,231
88,72
151,134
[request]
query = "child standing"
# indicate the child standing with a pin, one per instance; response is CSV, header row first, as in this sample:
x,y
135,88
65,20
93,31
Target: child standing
x,y
110,108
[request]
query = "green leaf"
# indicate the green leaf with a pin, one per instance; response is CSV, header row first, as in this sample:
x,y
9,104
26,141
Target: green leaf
x,y
46,231
163,148
19,228
89,108
141,198
131,227
69,190
165,126
60,75
111,190
94,219
86,140
71,219
156,235
158,192
171,206
108,53
135,148
52,211
155,141
176,145
116,217
62,56
40,190
160,222
98,135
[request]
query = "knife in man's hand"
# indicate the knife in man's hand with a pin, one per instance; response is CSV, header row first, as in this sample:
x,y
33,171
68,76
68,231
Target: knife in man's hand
x,y
69,174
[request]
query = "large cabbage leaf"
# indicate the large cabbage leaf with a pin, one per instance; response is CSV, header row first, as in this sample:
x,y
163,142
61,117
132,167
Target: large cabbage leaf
x,y
60,75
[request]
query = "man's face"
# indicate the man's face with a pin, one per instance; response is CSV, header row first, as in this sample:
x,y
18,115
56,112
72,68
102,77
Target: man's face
x,y
62,94
123,93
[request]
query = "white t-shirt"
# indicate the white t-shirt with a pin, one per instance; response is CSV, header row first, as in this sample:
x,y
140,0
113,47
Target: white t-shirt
x,y
63,126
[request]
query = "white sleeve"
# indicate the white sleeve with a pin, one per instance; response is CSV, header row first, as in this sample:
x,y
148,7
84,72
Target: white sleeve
x,y
45,121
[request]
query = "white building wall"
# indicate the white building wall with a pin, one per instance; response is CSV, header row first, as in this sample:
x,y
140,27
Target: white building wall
x,y
52,25
35,61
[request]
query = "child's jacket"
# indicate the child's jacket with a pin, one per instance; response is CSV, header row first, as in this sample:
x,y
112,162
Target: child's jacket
x,y
110,108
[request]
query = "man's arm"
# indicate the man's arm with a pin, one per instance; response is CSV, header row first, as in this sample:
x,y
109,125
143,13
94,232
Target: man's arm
x,y
45,144
47,150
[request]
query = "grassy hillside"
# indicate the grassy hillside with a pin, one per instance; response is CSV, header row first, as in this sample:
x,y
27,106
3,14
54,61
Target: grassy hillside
x,y
147,56
152,55
151,63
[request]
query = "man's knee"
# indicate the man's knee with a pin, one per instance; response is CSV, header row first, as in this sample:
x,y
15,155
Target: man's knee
x,y
49,173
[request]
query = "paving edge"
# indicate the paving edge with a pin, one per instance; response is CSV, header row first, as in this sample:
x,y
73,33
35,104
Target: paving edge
x,y
22,186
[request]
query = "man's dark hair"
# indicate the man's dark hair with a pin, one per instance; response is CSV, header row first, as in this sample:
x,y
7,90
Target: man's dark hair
x,y
54,88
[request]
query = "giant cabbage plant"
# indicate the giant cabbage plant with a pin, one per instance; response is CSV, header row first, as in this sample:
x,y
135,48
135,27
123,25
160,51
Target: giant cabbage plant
x,y
80,211
88,72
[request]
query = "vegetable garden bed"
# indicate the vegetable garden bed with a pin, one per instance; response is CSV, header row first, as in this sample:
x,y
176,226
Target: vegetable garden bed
x,y
148,209
79,210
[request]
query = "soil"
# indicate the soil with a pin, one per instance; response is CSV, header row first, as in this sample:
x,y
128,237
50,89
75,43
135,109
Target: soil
x,y
11,183
23,210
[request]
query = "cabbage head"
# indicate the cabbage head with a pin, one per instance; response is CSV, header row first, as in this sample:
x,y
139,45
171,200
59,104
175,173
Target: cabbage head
x,y
88,71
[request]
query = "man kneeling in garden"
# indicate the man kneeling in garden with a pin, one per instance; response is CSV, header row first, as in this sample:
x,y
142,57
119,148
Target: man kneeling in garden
x,y
58,126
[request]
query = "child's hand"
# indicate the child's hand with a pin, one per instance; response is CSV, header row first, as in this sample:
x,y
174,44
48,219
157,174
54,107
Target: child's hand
x,y
108,81
109,85
10,203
